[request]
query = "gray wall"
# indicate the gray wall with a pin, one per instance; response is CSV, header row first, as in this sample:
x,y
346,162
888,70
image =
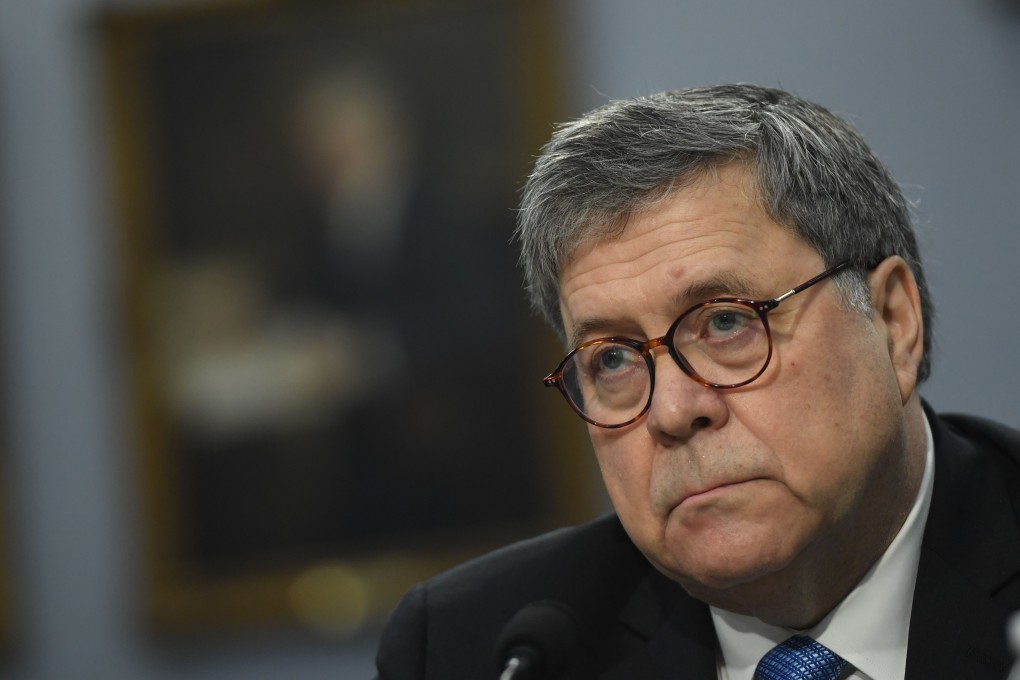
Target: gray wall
x,y
933,84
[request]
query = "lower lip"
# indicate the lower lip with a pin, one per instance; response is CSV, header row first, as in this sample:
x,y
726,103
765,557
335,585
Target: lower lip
x,y
711,494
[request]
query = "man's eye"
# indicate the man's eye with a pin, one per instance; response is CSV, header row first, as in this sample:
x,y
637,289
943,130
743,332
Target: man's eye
x,y
726,322
611,359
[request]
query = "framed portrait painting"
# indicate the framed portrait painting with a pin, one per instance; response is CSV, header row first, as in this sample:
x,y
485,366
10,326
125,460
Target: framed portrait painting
x,y
335,375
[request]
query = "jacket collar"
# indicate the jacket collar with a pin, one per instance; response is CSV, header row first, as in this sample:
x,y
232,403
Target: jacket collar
x,y
681,638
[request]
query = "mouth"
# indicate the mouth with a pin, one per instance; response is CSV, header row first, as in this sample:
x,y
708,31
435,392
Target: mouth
x,y
716,492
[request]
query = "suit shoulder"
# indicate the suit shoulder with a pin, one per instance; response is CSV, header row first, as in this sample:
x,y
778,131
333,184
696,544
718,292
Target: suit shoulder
x,y
539,566
446,627
988,436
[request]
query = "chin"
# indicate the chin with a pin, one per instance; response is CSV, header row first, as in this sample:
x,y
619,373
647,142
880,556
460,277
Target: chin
x,y
718,570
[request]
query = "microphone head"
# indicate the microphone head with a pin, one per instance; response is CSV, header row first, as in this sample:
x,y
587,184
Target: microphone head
x,y
546,632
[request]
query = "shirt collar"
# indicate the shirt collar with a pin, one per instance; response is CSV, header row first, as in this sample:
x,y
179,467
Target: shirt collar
x,y
868,628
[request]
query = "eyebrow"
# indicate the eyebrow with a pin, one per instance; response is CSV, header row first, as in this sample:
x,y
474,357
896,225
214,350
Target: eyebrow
x,y
718,285
597,326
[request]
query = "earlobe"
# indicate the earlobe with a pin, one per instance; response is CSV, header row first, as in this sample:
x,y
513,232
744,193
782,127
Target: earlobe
x,y
897,307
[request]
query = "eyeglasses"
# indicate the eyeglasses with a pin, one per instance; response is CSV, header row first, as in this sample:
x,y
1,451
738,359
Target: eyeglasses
x,y
721,343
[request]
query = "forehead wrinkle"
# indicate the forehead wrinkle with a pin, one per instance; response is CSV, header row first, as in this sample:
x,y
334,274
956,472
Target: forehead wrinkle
x,y
674,242
612,261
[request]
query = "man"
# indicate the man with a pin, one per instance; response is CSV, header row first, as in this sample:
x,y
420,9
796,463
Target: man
x,y
740,283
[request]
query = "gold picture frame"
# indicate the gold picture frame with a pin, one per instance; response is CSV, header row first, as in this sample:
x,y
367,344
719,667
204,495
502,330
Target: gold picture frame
x,y
335,377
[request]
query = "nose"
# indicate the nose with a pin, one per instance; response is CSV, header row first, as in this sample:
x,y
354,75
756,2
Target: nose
x,y
681,406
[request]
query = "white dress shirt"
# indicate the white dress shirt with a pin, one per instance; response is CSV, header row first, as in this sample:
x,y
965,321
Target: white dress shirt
x,y
868,628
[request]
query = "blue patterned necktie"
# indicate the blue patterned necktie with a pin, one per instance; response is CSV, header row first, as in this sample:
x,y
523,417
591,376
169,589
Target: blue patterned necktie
x,y
800,658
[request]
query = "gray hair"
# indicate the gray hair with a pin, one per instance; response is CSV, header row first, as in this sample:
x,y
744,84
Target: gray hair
x,y
814,174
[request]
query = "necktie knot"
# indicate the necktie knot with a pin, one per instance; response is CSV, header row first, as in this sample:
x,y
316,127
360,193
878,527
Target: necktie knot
x,y
800,658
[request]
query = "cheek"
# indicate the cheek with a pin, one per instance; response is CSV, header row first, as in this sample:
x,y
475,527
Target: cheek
x,y
825,415
823,382
626,471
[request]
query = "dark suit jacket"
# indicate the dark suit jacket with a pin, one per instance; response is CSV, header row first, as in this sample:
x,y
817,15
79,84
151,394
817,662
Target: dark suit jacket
x,y
638,625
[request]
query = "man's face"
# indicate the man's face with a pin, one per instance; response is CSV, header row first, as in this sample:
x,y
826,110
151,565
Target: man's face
x,y
793,475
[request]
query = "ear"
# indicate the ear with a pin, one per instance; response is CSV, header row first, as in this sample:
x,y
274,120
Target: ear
x,y
896,305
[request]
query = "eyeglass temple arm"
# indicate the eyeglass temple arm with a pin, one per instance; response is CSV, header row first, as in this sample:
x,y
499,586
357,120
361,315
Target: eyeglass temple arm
x,y
807,284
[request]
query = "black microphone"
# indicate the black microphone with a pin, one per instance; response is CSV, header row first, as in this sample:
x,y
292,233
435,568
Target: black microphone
x,y
538,642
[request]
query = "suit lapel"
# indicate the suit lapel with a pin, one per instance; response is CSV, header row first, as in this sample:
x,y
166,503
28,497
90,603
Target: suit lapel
x,y
681,642
971,549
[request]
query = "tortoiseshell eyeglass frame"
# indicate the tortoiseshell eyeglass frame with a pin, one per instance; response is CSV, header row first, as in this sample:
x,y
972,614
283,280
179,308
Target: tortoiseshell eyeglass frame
x,y
762,307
